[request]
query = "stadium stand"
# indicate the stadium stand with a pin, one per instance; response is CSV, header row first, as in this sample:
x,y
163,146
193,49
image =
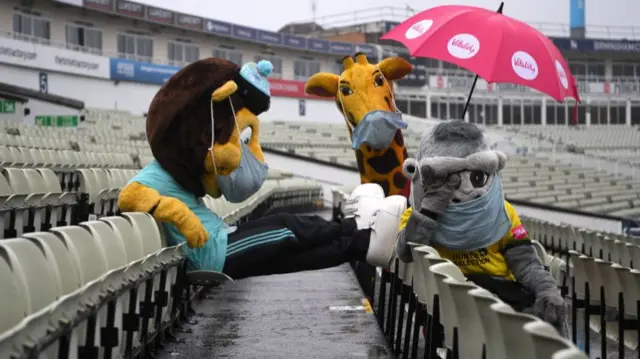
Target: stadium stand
x,y
604,276
533,177
591,138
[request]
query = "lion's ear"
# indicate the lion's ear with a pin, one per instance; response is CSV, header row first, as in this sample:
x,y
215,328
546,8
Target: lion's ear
x,y
223,92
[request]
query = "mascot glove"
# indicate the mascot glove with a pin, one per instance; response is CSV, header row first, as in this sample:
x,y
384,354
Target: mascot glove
x,y
193,231
420,228
403,250
550,307
438,194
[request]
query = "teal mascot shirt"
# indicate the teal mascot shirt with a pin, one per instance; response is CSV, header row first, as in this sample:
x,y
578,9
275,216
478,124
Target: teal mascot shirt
x,y
211,256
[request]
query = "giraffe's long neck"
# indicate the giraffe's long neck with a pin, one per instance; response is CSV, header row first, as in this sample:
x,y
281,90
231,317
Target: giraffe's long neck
x,y
384,167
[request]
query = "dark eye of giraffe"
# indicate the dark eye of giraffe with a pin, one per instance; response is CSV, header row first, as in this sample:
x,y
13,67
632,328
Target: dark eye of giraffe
x,y
478,179
379,80
345,91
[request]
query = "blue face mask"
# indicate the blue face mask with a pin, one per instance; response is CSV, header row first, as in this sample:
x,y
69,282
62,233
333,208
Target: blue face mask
x,y
377,129
245,180
475,224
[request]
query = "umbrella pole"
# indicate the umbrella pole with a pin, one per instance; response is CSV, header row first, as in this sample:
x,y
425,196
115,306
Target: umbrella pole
x,y
475,80
466,105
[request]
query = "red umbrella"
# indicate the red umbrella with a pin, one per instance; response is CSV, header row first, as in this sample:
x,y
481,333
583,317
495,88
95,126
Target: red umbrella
x,y
494,46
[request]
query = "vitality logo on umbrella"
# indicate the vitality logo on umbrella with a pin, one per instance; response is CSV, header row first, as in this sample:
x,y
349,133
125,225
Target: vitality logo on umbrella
x,y
463,46
562,75
418,29
524,65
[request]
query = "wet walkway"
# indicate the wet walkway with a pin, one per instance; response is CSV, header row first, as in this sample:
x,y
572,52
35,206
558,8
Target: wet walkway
x,y
315,314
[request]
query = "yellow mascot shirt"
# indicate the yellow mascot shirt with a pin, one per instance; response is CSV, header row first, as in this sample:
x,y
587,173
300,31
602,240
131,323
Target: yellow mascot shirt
x,y
488,260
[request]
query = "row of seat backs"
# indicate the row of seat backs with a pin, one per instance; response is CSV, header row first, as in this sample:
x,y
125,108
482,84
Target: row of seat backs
x,y
27,181
478,315
39,268
24,155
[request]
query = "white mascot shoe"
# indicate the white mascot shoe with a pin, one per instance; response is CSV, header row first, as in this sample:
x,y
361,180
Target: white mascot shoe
x,y
362,203
371,210
384,231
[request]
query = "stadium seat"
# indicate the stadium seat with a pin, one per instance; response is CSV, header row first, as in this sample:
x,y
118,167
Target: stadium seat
x,y
38,283
484,300
470,333
419,283
61,257
448,317
516,342
88,254
16,307
572,353
428,256
546,339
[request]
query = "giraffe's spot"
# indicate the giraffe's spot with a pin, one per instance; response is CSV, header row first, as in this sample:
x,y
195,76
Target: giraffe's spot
x,y
385,163
360,162
399,180
405,154
384,184
399,139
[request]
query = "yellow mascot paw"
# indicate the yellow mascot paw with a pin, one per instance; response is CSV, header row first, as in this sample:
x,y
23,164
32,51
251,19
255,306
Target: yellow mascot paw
x,y
195,234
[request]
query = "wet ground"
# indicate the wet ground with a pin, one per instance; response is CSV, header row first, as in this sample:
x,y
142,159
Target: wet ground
x,y
315,314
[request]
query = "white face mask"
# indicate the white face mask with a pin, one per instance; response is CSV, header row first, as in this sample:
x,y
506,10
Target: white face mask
x,y
378,127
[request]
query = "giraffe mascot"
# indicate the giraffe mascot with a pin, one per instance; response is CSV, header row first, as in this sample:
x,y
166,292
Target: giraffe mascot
x,y
364,96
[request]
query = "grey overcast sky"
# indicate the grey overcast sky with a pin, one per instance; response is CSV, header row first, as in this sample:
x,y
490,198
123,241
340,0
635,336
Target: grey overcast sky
x,y
271,15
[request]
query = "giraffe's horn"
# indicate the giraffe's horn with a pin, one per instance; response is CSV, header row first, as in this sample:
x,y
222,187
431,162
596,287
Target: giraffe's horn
x,y
361,58
347,62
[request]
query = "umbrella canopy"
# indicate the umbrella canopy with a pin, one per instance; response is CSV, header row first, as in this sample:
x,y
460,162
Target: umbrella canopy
x,y
496,47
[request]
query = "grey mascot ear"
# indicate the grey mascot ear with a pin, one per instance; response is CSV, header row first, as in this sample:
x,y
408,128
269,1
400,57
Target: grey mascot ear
x,y
410,168
502,160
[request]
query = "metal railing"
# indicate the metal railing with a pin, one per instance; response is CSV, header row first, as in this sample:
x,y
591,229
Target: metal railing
x,y
382,13
393,14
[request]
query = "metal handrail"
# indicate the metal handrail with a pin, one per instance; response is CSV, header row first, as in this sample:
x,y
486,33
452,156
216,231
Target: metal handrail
x,y
398,14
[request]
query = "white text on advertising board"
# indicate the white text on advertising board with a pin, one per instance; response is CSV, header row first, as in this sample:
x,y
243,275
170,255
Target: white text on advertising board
x,y
42,57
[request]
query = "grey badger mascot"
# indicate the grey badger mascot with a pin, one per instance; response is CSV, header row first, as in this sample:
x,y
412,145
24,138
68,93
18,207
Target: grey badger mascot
x,y
460,210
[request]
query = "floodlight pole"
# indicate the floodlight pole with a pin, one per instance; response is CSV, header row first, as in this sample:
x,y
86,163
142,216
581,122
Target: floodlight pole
x,y
475,79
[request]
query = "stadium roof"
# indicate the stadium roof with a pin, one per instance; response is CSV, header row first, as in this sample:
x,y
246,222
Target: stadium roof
x,y
22,93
